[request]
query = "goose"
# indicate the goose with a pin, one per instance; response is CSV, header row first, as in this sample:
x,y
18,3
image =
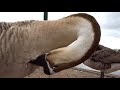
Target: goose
x,y
104,59
66,42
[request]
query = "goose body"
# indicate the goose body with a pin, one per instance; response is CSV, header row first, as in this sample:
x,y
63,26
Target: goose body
x,y
66,42
105,59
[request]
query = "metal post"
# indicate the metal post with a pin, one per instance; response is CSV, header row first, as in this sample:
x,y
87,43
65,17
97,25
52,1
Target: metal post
x,y
45,15
102,74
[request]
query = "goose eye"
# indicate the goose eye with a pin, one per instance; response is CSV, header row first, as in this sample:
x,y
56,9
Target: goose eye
x,y
54,67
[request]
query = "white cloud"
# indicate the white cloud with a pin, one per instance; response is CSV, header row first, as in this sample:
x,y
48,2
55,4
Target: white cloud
x,y
110,41
20,16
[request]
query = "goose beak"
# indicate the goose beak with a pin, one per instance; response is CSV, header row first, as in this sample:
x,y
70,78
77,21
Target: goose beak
x,y
47,68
